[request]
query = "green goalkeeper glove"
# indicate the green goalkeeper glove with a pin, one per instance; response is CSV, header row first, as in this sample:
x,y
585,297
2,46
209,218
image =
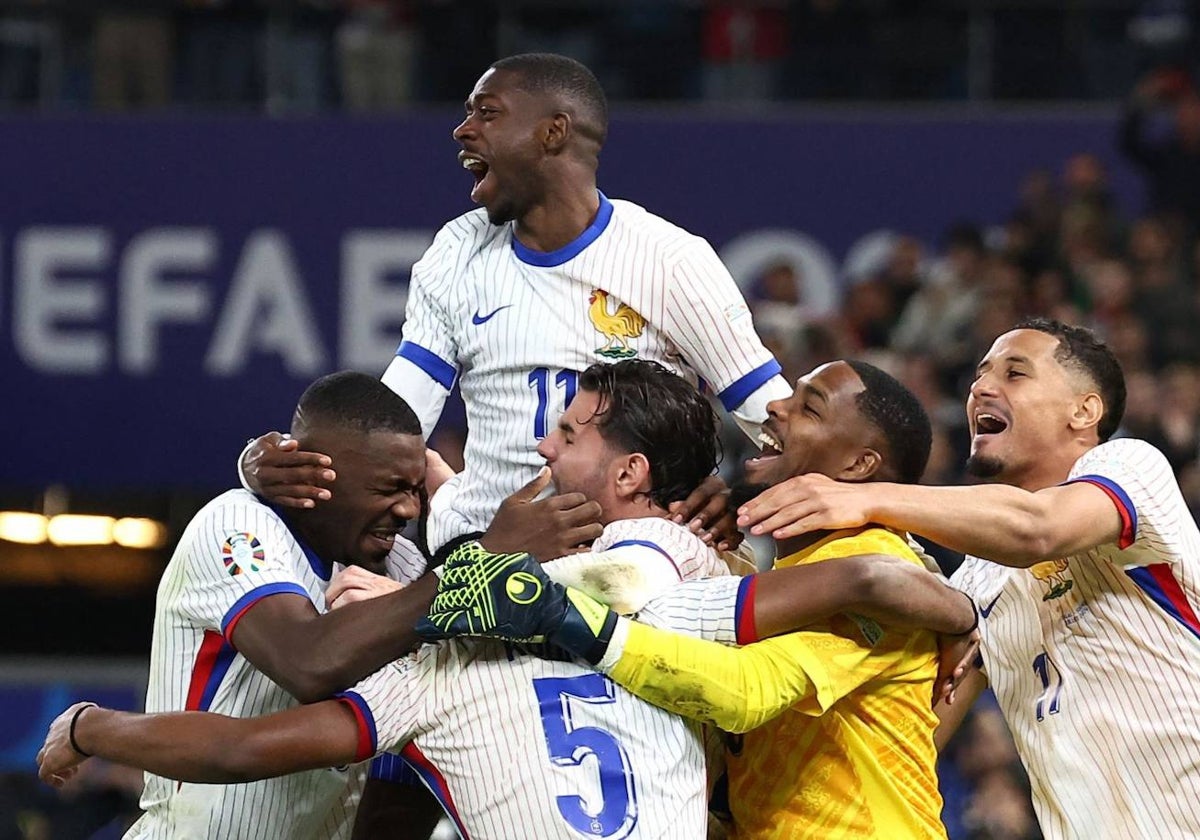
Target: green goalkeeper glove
x,y
508,596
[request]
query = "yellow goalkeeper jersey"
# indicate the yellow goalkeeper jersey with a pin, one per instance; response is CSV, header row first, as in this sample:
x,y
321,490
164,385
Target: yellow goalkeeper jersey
x,y
855,758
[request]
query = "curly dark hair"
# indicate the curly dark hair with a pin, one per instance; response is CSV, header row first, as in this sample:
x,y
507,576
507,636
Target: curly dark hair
x,y
648,409
897,413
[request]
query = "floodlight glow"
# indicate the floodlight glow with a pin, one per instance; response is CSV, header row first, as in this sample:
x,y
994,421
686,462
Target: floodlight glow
x,y
133,532
22,527
80,529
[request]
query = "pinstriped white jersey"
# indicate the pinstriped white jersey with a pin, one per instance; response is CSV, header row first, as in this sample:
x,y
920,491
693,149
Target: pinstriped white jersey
x,y
233,553
1095,661
516,327
520,747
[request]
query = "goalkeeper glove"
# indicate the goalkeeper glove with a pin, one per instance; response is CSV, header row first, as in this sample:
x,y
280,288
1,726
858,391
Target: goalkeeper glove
x,y
508,596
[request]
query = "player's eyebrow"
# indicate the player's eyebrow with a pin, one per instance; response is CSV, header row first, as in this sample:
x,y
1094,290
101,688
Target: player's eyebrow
x,y
808,389
986,364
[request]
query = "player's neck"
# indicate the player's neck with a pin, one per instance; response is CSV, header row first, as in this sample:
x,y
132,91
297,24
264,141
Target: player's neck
x,y
788,547
559,219
637,507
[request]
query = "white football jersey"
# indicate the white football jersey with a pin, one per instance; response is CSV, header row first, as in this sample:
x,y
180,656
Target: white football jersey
x,y
516,746
515,327
1095,660
234,552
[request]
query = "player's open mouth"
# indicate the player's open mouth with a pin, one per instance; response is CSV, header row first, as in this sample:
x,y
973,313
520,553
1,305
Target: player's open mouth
x,y
989,424
771,445
383,535
477,167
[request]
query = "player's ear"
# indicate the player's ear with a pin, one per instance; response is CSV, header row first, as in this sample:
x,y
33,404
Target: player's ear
x,y
556,132
865,464
1088,411
633,476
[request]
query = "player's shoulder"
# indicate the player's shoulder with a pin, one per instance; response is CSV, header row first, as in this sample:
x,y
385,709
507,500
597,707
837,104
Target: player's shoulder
x,y
868,539
236,506
634,220
663,533
1120,457
471,227
234,512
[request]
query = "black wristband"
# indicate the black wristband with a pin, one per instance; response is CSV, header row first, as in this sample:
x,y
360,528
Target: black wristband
x,y
439,556
75,720
974,624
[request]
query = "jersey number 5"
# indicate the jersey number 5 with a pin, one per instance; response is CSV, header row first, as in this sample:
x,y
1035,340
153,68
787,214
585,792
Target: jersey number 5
x,y
559,698
539,381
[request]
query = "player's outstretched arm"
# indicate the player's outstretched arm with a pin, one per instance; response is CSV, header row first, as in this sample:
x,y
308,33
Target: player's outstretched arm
x,y
892,591
200,746
273,466
1005,524
312,655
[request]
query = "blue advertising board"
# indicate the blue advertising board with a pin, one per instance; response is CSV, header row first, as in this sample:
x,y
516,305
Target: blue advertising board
x,y
169,285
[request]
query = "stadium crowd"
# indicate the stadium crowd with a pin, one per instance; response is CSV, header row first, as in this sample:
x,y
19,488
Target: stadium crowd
x,y
284,56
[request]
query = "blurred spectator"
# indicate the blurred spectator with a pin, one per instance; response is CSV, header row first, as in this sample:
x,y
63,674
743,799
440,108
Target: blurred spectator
x,y
1087,193
26,41
831,57
937,318
1171,160
1163,297
222,52
984,786
134,55
744,43
299,54
376,48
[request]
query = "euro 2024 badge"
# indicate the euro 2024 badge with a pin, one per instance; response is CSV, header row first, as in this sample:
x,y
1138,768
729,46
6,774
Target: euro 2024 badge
x,y
242,552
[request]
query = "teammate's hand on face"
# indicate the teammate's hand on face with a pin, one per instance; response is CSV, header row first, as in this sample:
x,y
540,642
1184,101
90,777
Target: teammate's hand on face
x,y
275,467
706,512
956,655
354,584
437,471
57,760
545,528
805,503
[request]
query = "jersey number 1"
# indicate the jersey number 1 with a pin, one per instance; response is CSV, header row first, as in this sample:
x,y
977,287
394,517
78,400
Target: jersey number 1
x,y
1051,678
539,381
570,745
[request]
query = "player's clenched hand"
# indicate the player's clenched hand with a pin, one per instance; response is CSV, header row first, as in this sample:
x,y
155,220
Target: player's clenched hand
x,y
275,467
58,760
508,596
546,528
706,512
354,584
805,503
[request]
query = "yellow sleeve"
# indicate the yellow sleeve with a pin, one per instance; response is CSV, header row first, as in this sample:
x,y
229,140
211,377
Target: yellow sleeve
x,y
739,689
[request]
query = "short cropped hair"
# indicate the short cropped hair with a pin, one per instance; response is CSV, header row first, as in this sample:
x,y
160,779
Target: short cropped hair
x,y
352,400
558,74
1079,349
645,408
899,416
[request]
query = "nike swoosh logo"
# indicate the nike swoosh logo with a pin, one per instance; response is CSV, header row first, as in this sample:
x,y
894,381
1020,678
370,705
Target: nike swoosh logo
x,y
478,319
986,611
